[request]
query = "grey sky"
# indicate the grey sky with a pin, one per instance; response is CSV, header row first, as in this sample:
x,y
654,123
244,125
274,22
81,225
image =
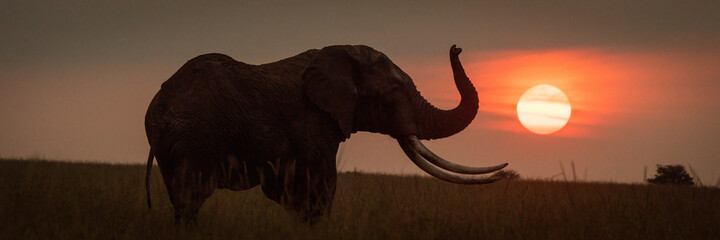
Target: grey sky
x,y
78,31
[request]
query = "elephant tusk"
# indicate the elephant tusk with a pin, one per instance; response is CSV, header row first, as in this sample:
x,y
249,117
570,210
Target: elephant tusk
x,y
445,164
436,172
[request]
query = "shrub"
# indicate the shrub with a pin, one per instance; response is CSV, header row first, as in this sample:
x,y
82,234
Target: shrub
x,y
671,174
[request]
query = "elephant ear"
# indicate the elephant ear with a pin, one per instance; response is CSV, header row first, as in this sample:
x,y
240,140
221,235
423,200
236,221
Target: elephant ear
x,y
329,81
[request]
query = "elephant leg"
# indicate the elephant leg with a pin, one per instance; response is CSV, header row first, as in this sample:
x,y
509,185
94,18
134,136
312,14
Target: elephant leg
x,y
304,189
192,183
167,175
313,196
275,177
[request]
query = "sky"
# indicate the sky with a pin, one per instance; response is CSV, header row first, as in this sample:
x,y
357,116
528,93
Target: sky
x,y
642,77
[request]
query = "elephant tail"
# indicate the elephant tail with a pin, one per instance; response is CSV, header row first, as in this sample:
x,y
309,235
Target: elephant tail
x,y
147,177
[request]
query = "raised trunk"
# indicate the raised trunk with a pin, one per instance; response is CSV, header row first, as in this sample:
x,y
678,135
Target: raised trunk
x,y
436,123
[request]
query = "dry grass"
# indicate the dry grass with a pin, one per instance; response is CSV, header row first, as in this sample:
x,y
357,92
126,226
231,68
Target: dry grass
x,y
52,200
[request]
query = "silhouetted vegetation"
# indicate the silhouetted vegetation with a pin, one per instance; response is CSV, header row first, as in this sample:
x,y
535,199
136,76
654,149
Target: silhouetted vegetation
x,y
507,174
671,174
53,200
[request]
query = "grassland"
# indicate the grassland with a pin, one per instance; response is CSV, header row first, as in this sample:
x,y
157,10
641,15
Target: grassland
x,y
53,200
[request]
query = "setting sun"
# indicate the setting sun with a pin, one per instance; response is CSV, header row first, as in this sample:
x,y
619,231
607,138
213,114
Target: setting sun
x,y
543,109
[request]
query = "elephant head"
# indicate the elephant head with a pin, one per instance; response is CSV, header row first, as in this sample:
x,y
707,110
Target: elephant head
x,y
363,90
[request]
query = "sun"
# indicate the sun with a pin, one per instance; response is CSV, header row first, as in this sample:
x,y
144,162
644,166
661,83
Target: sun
x,y
543,109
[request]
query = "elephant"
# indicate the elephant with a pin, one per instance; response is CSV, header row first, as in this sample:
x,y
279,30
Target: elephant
x,y
218,123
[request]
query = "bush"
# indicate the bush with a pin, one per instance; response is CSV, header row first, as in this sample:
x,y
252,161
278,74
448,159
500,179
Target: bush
x,y
671,174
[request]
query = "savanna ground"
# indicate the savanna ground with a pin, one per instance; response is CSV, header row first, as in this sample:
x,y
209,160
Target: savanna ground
x,y
54,200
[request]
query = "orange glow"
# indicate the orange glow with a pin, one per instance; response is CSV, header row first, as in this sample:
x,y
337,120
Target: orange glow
x,y
543,109
586,77
607,88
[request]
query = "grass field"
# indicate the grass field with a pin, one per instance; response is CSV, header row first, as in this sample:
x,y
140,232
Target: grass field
x,y
53,200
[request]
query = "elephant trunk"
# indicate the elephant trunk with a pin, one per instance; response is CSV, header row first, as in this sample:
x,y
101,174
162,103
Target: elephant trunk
x,y
436,123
